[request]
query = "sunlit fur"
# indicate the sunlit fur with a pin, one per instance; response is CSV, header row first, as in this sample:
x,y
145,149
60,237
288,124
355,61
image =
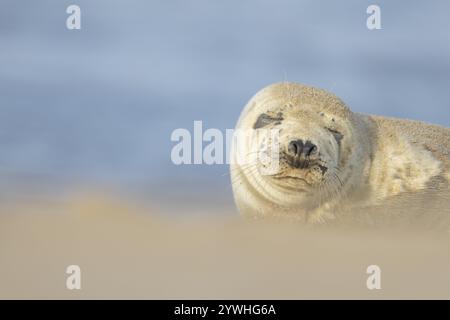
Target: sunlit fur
x,y
360,160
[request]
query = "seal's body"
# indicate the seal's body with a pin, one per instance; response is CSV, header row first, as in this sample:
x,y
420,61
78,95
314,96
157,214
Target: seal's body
x,y
332,161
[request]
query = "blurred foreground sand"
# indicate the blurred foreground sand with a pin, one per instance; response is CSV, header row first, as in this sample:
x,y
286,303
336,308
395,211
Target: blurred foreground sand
x,y
130,252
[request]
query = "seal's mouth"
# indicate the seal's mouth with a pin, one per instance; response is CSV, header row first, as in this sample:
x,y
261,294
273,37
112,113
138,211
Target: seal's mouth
x,y
303,174
291,177
304,163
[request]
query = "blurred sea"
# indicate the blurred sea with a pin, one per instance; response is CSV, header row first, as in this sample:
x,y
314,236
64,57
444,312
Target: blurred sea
x,y
97,106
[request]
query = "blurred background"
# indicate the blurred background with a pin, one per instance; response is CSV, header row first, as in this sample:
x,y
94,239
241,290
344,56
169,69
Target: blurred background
x,y
86,118
95,108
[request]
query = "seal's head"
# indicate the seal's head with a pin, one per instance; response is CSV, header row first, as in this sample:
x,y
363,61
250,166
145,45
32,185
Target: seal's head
x,y
309,135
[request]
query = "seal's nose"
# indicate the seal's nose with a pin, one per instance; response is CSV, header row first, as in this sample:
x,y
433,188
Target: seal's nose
x,y
298,148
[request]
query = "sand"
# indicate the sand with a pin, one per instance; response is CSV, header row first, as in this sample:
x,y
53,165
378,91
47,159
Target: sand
x,y
129,251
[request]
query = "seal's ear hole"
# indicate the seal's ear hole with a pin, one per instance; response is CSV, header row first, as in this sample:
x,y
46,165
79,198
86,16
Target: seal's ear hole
x,y
264,119
336,134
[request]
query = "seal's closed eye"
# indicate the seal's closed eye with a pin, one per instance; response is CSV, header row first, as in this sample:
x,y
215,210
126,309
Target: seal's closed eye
x,y
336,134
264,119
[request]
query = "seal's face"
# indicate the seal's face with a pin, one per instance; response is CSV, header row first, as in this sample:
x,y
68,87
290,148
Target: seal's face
x,y
310,147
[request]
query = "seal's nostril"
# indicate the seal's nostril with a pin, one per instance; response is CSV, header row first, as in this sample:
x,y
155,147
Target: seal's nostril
x,y
309,148
295,147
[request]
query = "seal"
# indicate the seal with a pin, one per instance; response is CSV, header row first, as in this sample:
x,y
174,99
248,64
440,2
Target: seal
x,y
331,162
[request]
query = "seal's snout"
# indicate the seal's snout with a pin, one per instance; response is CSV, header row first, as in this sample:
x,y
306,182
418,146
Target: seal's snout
x,y
300,152
298,148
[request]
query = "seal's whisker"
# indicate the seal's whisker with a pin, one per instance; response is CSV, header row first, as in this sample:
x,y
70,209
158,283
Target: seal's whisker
x,y
242,174
244,168
339,179
237,168
337,169
237,181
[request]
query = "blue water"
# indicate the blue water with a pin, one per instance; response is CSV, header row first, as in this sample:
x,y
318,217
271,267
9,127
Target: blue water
x,y
98,105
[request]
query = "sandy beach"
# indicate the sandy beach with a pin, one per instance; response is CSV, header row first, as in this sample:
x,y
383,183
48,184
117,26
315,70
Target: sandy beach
x,y
129,251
